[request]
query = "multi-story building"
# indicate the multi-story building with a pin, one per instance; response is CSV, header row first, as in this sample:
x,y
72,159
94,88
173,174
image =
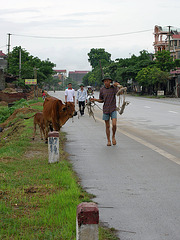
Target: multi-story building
x,y
168,38
3,65
175,45
77,75
61,74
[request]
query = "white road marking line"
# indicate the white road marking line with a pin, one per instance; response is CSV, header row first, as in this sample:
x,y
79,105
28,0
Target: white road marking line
x,y
149,145
152,147
147,107
172,112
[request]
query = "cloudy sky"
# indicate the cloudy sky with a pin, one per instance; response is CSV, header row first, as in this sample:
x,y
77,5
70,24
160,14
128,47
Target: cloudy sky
x,y
65,31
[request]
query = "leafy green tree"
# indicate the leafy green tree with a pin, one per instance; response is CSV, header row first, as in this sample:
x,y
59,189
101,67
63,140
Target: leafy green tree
x,y
164,61
75,85
30,66
177,62
98,54
152,79
123,69
93,78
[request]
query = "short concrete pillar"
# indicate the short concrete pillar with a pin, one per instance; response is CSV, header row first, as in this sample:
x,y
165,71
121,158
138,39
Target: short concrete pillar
x,y
87,221
53,146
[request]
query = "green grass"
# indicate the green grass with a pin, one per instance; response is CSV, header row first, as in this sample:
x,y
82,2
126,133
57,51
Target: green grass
x,y
37,200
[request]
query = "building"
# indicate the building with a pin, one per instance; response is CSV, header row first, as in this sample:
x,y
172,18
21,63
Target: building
x,y
61,74
77,76
3,65
168,38
175,45
175,81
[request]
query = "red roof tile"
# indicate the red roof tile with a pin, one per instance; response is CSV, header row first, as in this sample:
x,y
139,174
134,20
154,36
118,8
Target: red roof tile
x,y
60,71
2,54
177,36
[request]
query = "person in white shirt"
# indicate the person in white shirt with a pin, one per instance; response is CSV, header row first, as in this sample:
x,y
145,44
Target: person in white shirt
x,y
81,98
70,94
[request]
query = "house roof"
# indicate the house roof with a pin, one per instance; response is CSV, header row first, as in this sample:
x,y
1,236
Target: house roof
x,y
177,36
78,72
2,54
60,71
177,71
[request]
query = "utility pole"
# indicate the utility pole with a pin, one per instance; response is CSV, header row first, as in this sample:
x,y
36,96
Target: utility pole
x,y
9,36
8,45
169,34
20,63
35,86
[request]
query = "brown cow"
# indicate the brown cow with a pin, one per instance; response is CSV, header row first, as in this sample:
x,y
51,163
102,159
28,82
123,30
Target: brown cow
x,y
38,119
56,113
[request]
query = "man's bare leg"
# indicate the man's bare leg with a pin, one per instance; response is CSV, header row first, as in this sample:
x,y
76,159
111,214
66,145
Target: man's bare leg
x,y
107,122
114,121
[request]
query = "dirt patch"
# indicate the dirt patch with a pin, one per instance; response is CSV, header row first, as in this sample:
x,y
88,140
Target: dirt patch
x,y
9,90
37,104
33,154
3,103
16,112
7,159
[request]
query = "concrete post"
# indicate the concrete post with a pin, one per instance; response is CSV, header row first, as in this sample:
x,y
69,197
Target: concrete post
x,y
53,146
87,221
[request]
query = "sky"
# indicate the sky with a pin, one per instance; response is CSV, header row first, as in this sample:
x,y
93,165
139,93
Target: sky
x,y
65,31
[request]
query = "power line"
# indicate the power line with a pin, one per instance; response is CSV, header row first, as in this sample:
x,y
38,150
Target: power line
x,y
81,37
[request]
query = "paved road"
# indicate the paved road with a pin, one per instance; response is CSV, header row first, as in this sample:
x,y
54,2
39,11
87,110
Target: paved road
x,y
136,182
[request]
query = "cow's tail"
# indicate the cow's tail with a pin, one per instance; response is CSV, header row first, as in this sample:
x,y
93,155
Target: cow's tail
x,y
29,117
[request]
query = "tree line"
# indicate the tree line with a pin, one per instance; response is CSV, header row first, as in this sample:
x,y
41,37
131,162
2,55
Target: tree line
x,y
148,71
31,67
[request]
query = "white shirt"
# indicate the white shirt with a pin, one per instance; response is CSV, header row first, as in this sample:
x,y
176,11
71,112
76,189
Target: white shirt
x,y
70,93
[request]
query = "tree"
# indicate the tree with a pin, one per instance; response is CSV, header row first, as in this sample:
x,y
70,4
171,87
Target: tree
x,y
99,54
152,79
123,69
29,65
93,78
164,61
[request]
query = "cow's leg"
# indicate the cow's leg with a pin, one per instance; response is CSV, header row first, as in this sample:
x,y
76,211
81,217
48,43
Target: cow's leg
x,y
46,132
50,127
43,129
56,126
40,128
34,131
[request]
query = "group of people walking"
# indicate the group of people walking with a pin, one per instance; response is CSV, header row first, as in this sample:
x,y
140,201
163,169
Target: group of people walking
x,y
107,96
82,95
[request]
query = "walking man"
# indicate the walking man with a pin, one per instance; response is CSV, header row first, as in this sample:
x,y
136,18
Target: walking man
x,y
107,96
70,94
81,99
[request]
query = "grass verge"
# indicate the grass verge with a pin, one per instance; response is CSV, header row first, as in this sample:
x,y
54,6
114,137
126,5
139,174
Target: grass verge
x,y
37,200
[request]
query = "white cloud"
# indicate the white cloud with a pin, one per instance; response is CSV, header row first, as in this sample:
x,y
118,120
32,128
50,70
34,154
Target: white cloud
x,y
80,19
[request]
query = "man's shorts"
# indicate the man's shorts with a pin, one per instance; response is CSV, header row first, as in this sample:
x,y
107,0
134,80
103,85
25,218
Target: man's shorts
x,y
107,116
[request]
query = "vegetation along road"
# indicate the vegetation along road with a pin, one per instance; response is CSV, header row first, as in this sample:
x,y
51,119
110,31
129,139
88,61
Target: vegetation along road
x,y
38,201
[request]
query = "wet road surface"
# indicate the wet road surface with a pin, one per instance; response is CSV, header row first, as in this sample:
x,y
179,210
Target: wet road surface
x,y
135,183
